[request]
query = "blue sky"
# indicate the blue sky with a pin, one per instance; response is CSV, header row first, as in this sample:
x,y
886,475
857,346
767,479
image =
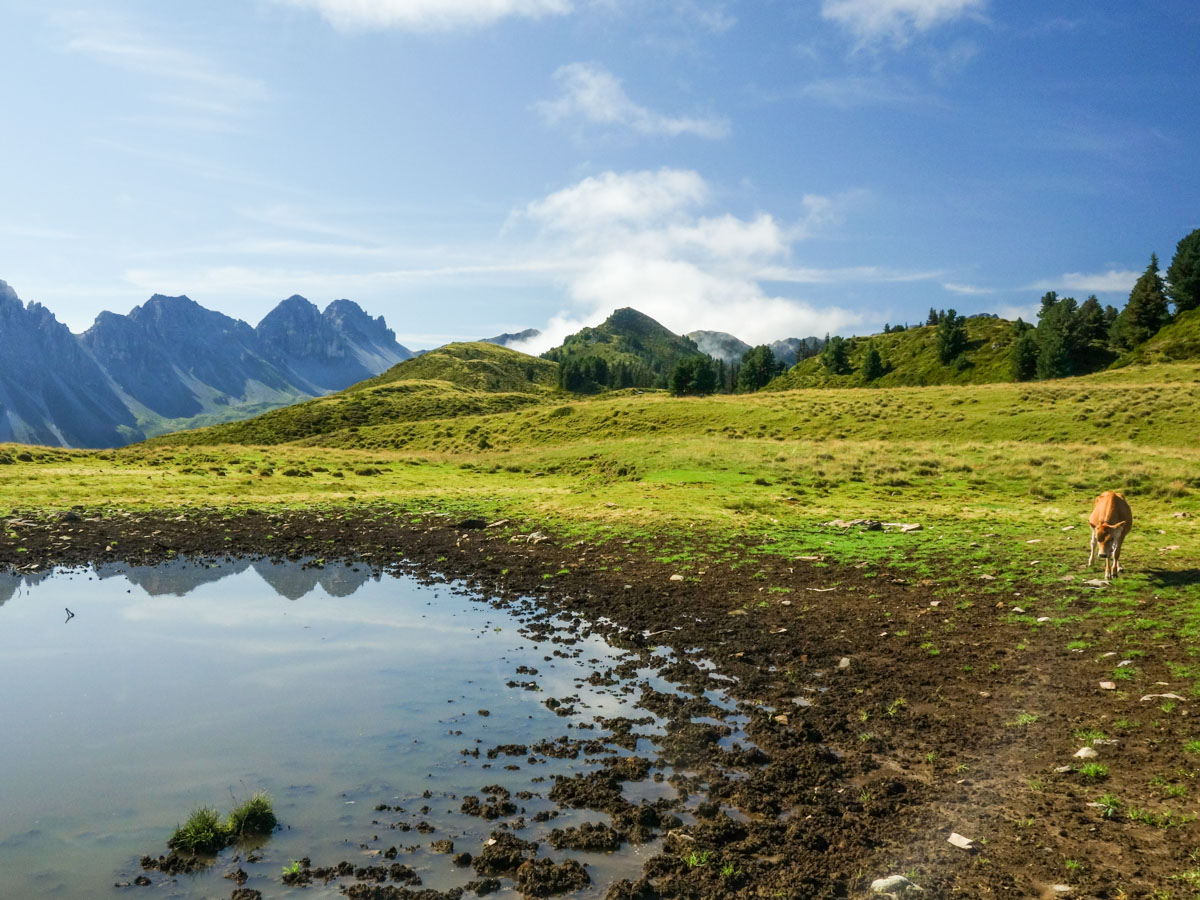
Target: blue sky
x,y
465,167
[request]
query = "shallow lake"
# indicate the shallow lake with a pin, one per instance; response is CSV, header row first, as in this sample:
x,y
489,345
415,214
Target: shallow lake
x,y
333,689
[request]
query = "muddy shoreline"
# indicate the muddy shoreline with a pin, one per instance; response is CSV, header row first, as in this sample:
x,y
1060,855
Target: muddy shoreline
x,y
869,749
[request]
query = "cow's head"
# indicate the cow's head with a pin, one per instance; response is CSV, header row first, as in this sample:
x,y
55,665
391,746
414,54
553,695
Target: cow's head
x,y
1108,537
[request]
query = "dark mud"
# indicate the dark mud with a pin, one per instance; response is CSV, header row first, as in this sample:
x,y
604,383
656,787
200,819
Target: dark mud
x,y
862,750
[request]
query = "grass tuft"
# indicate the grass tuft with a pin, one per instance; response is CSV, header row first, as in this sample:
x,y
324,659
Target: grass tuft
x,y
253,818
203,832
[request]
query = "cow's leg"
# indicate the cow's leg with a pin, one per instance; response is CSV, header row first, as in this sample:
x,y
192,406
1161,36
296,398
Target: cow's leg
x,y
1092,554
1116,555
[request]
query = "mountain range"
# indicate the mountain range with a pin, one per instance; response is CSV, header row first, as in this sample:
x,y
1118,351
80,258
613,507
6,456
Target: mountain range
x,y
170,364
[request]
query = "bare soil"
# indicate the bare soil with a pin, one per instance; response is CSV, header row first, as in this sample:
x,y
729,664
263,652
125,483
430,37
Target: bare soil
x,y
884,715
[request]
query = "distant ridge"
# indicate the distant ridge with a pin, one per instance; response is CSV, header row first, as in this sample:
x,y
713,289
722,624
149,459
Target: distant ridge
x,y
510,338
171,364
635,350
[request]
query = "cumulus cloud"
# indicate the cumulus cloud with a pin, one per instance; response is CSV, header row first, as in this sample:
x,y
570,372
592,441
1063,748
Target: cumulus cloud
x,y
643,239
871,21
590,92
428,15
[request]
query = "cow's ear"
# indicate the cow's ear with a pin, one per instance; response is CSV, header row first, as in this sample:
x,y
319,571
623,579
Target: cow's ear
x,y
1116,524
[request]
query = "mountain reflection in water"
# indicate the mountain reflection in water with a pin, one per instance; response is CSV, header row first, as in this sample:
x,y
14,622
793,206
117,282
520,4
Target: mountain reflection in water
x,y
292,580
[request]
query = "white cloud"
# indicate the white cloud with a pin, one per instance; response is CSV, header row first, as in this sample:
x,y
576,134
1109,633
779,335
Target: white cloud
x,y
641,239
594,94
1111,282
637,198
969,290
871,21
428,15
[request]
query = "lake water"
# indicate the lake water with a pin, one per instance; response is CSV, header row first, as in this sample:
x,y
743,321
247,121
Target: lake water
x,y
184,685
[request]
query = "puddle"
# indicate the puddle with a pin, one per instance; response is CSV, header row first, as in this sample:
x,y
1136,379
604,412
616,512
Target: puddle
x,y
336,690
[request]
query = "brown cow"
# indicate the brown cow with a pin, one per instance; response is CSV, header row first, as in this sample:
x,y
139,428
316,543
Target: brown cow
x,y
1111,520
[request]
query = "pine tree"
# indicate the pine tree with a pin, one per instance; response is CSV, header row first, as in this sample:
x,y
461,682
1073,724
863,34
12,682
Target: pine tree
x,y
835,355
1146,311
932,318
759,366
1058,344
951,336
872,364
1184,273
1022,357
1090,317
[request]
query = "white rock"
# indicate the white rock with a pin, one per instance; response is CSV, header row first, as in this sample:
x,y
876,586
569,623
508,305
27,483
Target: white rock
x,y
1164,697
1125,662
893,884
677,577
1108,654
963,843
1063,770
1018,610
1086,753
1096,582
844,662
1108,685
1043,618
1061,888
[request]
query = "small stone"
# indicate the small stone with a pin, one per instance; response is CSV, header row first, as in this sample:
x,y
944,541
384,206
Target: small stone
x,y
893,884
844,662
1096,582
779,630
1108,655
782,718
1108,685
987,577
963,843
1063,770
1043,618
1034,541
1018,610
802,702
1086,753
935,602
738,612
677,577
1164,697
1125,662
1061,888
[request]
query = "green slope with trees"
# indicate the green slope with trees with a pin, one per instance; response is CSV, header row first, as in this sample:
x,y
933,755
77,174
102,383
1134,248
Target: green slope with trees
x,y
628,349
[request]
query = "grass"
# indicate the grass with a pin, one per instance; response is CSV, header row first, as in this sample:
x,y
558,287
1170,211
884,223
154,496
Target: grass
x,y
253,817
1093,770
203,832
206,832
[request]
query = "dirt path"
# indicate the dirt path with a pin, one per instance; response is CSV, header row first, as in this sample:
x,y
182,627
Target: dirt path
x,y
886,714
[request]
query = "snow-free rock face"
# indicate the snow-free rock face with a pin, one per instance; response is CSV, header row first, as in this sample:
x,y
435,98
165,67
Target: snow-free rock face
x,y
169,361
179,359
51,389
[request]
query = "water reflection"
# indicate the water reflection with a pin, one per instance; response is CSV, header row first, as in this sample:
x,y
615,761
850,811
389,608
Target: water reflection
x,y
180,577
182,685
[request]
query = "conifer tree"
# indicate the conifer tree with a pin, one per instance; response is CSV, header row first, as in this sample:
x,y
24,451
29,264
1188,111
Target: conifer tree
x,y
1022,358
951,336
1146,311
1184,274
872,365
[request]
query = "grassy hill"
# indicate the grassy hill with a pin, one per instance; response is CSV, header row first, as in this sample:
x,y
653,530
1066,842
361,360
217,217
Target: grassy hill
x,y
478,365
910,358
638,350
1178,339
456,380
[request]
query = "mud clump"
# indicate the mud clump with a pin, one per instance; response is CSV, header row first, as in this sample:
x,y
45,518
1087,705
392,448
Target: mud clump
x,y
174,864
588,836
503,853
545,878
